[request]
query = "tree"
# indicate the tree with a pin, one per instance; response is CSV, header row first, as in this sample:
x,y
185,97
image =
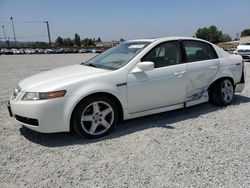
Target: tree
x,y
67,42
39,44
212,34
77,40
99,39
202,33
226,38
59,41
245,32
88,42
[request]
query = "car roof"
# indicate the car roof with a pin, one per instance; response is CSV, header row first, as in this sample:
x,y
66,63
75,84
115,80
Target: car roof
x,y
166,39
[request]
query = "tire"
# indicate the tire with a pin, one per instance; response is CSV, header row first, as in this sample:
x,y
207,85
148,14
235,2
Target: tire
x,y
95,116
222,92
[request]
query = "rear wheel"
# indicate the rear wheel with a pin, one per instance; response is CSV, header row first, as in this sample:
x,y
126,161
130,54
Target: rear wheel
x,y
94,117
222,92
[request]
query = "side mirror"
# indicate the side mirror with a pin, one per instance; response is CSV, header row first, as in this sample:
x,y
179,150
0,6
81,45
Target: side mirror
x,y
144,66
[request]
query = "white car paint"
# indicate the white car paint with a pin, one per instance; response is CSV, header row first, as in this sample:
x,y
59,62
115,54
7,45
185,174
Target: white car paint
x,y
139,92
150,90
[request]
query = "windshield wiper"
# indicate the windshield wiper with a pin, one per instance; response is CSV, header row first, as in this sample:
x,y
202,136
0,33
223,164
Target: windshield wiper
x,y
100,66
91,65
107,67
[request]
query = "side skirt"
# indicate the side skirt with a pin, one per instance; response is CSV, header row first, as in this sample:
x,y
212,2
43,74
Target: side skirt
x,y
153,111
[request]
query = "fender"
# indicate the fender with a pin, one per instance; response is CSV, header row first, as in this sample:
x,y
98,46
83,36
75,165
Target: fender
x,y
87,90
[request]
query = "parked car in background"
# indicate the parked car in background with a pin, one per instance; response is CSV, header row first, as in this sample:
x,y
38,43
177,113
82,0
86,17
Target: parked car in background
x,y
243,50
48,51
68,50
39,51
95,50
75,50
58,50
133,79
82,50
6,51
17,51
88,50
30,51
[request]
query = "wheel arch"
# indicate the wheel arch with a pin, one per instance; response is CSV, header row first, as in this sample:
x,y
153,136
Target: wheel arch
x,y
219,79
109,95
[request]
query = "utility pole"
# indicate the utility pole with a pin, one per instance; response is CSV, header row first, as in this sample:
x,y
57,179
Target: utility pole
x,y
13,29
237,36
48,31
8,41
4,33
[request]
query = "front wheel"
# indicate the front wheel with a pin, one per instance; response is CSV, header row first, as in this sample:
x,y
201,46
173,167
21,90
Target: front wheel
x,y
95,117
222,92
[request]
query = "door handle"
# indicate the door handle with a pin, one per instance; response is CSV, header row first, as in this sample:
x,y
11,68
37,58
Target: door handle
x,y
179,74
214,67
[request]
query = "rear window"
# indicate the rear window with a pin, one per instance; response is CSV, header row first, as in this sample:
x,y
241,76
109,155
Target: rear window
x,y
199,51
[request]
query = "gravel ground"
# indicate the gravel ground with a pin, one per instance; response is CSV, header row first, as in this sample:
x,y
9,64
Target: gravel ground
x,y
201,146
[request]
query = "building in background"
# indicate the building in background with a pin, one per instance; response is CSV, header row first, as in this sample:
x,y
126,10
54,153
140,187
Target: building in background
x,y
244,40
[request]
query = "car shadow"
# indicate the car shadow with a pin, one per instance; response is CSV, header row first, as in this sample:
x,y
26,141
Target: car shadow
x,y
163,120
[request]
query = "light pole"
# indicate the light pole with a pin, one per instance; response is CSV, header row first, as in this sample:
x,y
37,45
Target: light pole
x,y
13,29
48,31
4,33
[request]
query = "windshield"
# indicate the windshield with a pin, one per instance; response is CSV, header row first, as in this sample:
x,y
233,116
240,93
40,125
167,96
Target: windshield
x,y
117,56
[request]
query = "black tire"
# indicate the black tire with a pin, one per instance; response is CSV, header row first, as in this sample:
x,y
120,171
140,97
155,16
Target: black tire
x,y
216,94
86,108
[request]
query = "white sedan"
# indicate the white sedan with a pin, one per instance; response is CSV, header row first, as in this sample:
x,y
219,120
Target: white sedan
x,y
133,79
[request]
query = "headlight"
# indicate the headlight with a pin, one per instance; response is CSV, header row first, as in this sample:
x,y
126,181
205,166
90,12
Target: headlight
x,y
33,96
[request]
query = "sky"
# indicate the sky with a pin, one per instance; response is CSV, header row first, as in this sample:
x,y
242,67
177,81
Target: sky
x,y
115,19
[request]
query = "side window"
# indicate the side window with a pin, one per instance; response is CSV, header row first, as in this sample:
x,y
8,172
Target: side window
x,y
164,54
199,51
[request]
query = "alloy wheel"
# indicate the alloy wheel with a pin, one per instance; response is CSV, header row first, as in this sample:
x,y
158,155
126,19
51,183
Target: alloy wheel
x,y
227,91
97,118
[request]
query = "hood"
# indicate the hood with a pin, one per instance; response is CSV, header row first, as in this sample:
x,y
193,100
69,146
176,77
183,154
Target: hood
x,y
56,78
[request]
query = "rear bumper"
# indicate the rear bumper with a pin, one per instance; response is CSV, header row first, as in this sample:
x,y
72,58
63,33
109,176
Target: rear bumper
x,y
239,87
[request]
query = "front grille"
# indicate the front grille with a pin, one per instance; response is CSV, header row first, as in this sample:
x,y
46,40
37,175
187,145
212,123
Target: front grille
x,y
26,120
244,51
245,57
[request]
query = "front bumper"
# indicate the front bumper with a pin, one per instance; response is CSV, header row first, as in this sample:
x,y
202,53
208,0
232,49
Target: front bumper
x,y
9,109
245,56
45,116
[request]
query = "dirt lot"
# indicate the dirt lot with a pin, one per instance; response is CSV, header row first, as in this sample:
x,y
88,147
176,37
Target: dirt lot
x,y
202,146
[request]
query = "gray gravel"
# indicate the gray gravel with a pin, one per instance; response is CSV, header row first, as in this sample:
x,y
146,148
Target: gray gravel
x,y
202,146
